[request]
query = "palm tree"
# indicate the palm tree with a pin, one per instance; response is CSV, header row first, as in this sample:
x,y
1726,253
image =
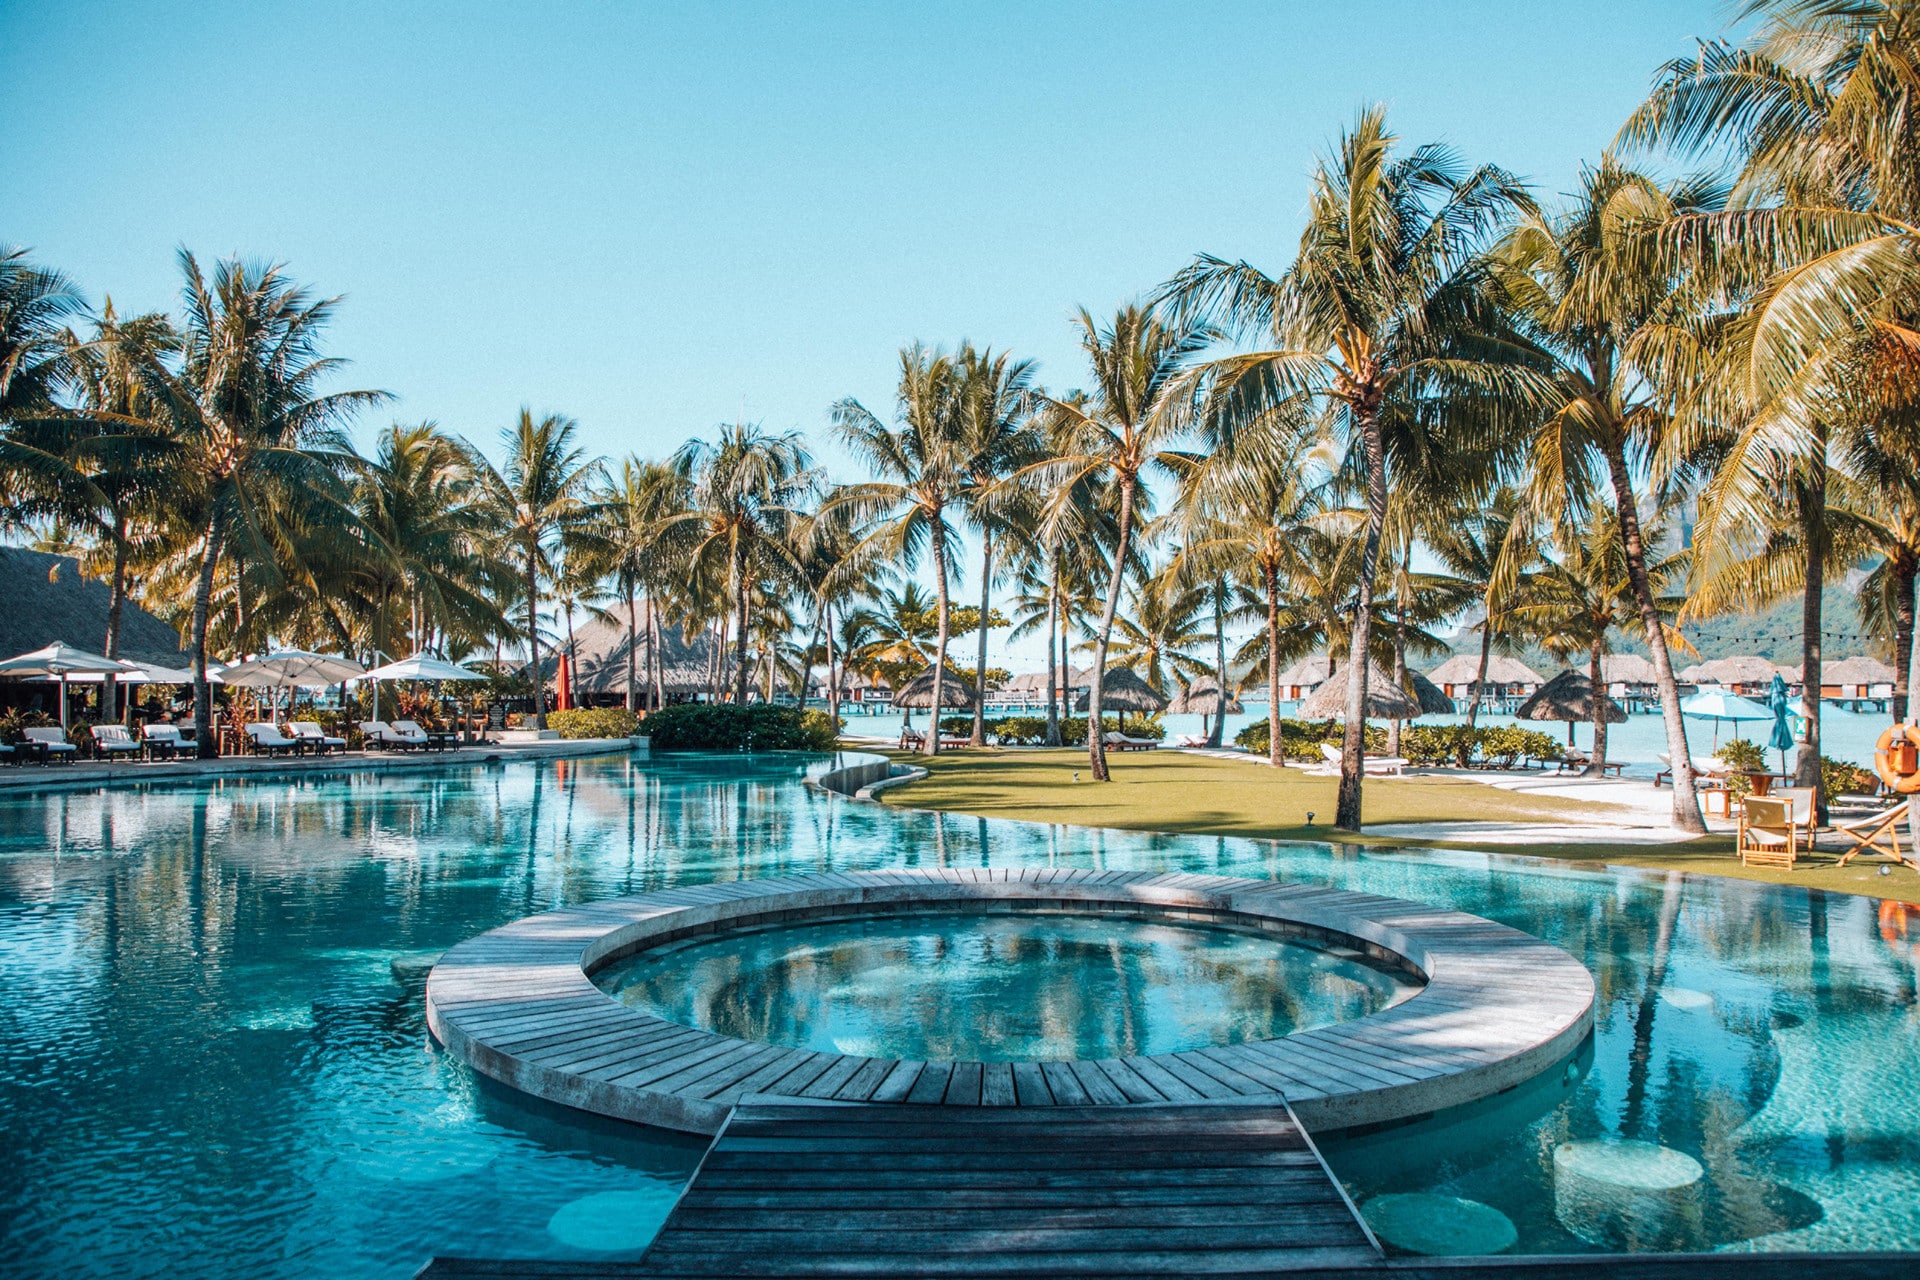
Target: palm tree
x,y
1155,640
1881,500
1121,431
1623,329
1822,244
751,491
635,540
924,464
1388,315
250,429
996,399
34,304
542,498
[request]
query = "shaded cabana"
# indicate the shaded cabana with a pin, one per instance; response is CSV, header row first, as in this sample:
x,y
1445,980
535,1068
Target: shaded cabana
x,y
1385,699
1122,690
1569,696
1457,675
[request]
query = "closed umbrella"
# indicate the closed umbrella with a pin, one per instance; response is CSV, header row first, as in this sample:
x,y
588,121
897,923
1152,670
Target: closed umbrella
x,y
1779,701
1717,705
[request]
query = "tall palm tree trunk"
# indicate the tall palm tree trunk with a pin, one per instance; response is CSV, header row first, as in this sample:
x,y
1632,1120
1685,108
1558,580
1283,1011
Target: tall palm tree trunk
x,y
1814,533
533,641
1463,751
940,642
656,665
1905,573
1053,652
1217,735
743,674
633,639
1913,719
204,745
116,601
1686,800
1400,641
1276,745
833,670
979,738
1597,768
1096,742
1353,743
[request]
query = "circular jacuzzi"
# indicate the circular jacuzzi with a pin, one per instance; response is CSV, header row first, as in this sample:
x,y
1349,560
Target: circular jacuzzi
x,y
1044,987
999,986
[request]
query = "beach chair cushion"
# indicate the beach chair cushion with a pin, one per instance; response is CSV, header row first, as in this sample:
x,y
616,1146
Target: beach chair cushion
x,y
408,731
54,740
310,731
113,737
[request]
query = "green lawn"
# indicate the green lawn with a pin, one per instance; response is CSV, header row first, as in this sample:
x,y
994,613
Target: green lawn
x,y
1168,791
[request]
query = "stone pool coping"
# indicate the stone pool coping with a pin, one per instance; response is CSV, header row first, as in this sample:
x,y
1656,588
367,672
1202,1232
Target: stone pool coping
x,y
1498,1007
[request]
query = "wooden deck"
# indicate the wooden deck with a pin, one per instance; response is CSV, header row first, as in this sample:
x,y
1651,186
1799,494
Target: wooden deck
x,y
1498,1006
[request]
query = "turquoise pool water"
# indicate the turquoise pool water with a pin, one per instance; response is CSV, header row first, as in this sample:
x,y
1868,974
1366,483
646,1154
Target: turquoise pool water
x,y
208,1068
1000,988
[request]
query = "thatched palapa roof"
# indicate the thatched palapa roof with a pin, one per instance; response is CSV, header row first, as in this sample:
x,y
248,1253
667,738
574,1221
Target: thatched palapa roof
x,y
1742,669
1201,697
1568,696
1385,699
1311,670
1856,670
955,691
49,601
602,657
1122,690
1463,668
1627,668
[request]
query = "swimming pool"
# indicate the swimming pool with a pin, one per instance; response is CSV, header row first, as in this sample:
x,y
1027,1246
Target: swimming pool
x,y
208,1066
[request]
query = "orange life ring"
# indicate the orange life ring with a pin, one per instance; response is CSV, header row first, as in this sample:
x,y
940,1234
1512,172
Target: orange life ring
x,y
1896,758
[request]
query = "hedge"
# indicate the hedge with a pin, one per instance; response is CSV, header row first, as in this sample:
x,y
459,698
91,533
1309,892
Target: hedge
x,y
593,722
720,726
1503,745
1031,731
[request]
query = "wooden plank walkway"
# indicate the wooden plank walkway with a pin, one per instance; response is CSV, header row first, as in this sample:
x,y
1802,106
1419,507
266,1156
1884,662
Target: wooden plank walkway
x,y
798,1189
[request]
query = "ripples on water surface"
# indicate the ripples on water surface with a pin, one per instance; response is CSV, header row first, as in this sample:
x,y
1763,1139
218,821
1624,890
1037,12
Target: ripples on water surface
x,y
207,1066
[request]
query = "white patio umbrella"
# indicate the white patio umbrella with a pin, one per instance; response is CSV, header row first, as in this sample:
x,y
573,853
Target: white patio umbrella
x,y
421,666
292,669
58,661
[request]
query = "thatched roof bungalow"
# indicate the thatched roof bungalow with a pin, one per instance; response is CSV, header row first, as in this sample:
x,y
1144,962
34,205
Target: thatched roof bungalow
x,y
600,669
48,600
1457,674
1303,677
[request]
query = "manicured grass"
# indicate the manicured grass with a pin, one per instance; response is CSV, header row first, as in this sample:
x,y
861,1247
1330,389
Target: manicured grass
x,y
1168,791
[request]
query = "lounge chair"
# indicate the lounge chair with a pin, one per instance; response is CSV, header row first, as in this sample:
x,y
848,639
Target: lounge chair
x,y
262,736
164,738
52,743
382,737
1767,835
1117,741
911,741
1574,760
1190,740
1373,766
311,735
112,740
413,733
1876,833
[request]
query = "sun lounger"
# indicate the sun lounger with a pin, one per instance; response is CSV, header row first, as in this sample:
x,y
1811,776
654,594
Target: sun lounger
x,y
1767,835
51,742
112,740
311,735
159,739
1190,740
262,736
380,736
1117,741
1876,833
1574,760
1373,766
911,741
414,734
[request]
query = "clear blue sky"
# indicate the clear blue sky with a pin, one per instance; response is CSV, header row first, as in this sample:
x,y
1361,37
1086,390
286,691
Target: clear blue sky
x,y
659,217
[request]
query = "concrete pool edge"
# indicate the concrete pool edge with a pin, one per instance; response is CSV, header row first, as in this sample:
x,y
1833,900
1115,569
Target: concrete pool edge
x,y
1500,1006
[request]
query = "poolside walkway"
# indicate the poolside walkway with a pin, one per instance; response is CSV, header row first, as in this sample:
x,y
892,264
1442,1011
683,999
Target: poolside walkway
x,y
94,773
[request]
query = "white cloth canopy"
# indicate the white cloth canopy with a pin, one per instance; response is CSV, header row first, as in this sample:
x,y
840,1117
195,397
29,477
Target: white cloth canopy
x,y
292,669
423,666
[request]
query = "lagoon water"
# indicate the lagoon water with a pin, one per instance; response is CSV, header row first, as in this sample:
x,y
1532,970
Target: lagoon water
x,y
208,1066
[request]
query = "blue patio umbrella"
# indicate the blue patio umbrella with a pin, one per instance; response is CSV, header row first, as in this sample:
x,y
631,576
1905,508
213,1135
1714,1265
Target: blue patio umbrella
x,y
1778,700
1717,705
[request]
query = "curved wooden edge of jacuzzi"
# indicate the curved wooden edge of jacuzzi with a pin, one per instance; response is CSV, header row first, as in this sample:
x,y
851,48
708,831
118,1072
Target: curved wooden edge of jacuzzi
x,y
1498,1005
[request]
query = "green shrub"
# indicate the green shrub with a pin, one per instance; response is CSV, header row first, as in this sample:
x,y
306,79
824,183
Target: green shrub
x,y
593,722
1301,739
1842,779
1506,744
1742,754
720,726
1438,743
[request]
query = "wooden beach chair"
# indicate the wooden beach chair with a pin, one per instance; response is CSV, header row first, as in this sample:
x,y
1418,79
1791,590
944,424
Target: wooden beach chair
x,y
1767,835
1876,833
1804,807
